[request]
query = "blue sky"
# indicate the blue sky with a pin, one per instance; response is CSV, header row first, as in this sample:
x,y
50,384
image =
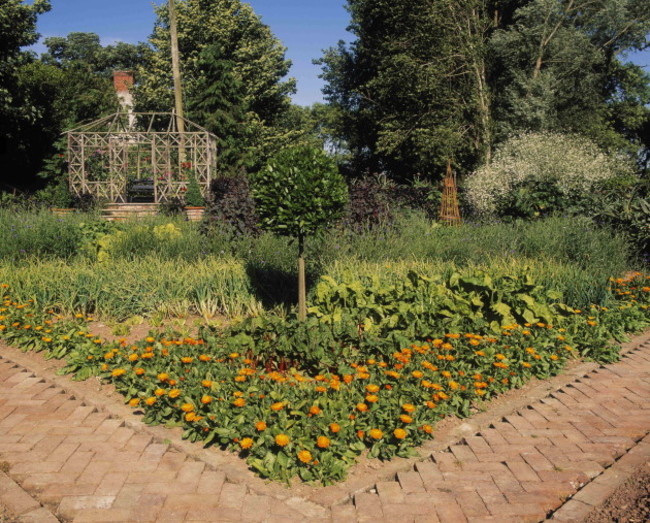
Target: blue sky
x,y
305,27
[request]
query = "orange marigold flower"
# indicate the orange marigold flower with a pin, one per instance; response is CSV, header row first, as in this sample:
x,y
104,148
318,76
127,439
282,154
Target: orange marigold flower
x,y
322,442
204,357
282,440
427,428
134,402
150,401
139,371
372,388
362,407
260,426
304,456
163,377
117,373
187,407
320,388
361,434
277,406
149,339
206,383
417,374
174,393
430,404
405,418
375,434
454,385
240,379
554,357
315,409
205,399
335,427
246,443
348,378
239,402
190,416
187,359
408,407
159,392
400,433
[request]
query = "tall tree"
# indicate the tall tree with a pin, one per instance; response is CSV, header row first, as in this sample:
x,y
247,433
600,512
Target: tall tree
x,y
257,58
412,88
558,67
17,29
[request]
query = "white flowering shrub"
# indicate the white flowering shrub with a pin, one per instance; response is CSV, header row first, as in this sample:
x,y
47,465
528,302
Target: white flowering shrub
x,y
535,173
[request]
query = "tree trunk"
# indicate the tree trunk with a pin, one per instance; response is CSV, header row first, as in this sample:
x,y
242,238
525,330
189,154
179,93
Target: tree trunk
x,y
176,73
302,284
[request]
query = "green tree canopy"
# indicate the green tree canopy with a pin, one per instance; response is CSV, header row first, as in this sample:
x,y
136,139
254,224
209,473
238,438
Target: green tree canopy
x,y
255,56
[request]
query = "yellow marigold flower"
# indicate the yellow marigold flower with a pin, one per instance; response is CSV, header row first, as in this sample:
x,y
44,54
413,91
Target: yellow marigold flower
x,y
500,356
454,385
239,402
139,371
149,339
105,367
204,357
238,394
430,404
554,357
163,376
205,399
362,407
314,410
187,407
190,416
453,336
348,378
187,359
335,427
375,434
480,392
150,401
442,395
260,426
246,443
320,388
174,393
240,379
417,374
400,433
447,346
525,364
304,455
47,340
117,373
277,406
372,398
427,428
372,388
446,374
408,407
234,355
134,402
282,440
159,392
133,357
206,383
405,418
322,442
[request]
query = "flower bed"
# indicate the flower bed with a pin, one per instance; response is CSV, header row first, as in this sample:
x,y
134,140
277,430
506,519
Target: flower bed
x,y
314,426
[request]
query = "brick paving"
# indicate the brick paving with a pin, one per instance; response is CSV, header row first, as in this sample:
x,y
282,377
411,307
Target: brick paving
x,y
61,459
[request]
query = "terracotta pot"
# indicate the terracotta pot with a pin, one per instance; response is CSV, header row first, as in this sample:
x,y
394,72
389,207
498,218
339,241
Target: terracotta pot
x,y
194,214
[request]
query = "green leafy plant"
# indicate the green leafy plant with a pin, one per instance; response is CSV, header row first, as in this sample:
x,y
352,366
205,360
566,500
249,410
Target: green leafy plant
x,y
193,196
298,194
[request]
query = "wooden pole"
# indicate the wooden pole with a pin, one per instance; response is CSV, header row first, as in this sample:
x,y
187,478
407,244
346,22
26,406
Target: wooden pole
x,y
176,72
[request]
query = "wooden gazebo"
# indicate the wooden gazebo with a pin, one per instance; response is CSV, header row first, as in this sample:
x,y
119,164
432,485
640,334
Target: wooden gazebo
x,y
111,157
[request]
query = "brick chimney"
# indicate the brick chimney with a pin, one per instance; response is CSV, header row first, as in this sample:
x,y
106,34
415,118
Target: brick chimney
x,y
123,81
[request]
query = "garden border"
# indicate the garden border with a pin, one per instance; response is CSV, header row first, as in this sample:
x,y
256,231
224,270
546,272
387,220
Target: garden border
x,y
311,499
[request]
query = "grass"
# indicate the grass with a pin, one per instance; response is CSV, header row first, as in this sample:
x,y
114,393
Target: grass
x,y
164,265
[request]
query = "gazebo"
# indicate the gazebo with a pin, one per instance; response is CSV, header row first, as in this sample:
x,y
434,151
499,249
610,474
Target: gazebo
x,y
127,155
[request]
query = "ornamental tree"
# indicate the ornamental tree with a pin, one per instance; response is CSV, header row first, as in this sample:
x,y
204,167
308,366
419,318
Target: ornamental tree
x,y
298,194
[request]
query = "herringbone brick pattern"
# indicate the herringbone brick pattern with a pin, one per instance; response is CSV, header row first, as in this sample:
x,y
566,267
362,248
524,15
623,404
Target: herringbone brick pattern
x,y
83,465
526,465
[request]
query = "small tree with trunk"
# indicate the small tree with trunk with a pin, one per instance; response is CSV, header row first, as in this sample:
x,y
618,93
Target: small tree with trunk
x,y
299,193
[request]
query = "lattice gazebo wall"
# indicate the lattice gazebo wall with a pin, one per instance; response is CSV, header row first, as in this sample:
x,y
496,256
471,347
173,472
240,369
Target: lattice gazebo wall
x,y
108,157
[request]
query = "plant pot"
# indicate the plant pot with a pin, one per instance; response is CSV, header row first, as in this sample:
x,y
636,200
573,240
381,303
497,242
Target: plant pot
x,y
194,214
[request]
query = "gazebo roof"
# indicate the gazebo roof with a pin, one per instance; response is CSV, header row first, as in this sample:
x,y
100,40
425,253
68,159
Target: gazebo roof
x,y
153,122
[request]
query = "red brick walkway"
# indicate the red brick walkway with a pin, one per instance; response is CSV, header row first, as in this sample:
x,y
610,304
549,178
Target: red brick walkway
x,y
66,460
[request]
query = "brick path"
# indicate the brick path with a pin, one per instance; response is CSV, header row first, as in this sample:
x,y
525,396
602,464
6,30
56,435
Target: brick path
x,y
73,462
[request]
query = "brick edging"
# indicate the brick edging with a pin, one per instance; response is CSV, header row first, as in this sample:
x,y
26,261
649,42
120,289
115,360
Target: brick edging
x,y
316,497
21,504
